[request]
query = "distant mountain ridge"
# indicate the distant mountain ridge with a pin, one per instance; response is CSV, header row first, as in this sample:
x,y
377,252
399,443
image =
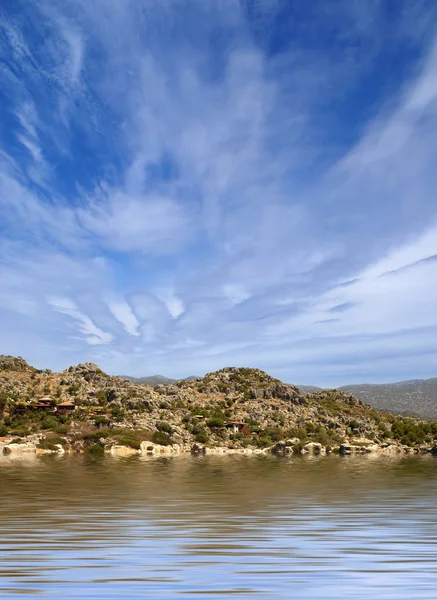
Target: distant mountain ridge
x,y
153,380
415,396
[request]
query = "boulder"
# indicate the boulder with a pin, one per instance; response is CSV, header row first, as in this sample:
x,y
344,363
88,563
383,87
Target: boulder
x,y
314,448
119,450
19,449
197,449
292,441
282,449
151,449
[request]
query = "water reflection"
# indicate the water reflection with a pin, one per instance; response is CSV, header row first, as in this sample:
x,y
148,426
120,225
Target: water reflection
x,y
221,527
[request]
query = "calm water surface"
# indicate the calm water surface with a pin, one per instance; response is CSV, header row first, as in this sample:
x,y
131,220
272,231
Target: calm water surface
x,y
237,527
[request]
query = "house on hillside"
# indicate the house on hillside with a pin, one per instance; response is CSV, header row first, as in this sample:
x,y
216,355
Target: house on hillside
x,y
45,403
65,407
234,426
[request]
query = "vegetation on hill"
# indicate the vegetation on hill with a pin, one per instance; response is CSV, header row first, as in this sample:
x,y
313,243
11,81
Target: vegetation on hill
x,y
233,407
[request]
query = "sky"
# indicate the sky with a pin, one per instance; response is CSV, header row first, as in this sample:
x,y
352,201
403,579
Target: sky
x,y
187,185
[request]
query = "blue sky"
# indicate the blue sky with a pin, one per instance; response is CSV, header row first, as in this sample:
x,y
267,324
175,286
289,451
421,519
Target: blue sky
x,y
188,185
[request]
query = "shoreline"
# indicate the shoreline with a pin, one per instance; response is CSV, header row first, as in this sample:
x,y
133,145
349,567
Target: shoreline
x,y
28,447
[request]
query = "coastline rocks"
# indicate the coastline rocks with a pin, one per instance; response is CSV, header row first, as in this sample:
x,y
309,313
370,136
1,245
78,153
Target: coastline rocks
x,y
151,449
282,448
349,448
59,450
221,451
19,449
313,448
390,449
198,450
123,451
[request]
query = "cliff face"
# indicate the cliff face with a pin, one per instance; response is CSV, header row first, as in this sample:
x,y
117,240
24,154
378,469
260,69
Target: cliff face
x,y
239,407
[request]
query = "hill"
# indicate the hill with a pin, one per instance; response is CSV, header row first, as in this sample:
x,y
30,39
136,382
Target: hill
x,y
239,409
417,396
153,380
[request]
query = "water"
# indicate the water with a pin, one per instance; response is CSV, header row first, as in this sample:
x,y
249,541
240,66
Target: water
x,y
219,528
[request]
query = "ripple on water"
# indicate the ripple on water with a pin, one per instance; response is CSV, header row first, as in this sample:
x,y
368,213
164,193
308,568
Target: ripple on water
x,y
219,527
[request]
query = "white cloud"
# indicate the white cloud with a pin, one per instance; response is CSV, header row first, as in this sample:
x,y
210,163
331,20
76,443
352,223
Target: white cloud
x,y
93,334
124,314
137,224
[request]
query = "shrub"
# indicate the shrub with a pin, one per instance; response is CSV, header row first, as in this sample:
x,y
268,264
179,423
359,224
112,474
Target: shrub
x,y
102,397
49,422
95,450
50,443
129,440
62,429
101,421
73,389
161,438
164,427
117,413
215,422
201,437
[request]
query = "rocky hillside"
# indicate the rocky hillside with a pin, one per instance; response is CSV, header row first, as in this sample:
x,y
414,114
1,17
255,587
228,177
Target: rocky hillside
x,y
232,408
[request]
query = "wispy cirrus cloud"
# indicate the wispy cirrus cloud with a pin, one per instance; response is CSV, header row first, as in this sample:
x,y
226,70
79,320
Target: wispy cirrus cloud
x,y
93,334
124,314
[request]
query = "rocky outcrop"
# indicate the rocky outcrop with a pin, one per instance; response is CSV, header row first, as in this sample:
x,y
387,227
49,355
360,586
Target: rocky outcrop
x,y
313,448
151,449
12,363
19,449
284,448
123,451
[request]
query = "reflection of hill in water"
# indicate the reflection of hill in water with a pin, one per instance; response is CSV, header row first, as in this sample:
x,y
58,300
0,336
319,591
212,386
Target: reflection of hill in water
x,y
233,484
226,527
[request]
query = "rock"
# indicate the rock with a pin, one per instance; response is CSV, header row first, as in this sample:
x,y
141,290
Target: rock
x,y
292,441
123,451
197,449
390,449
314,448
151,449
282,449
221,451
177,439
13,363
348,448
19,449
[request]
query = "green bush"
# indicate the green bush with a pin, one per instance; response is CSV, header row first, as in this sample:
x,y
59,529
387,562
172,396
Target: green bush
x,y
102,397
49,422
129,440
215,422
161,438
164,427
95,450
117,413
50,443
101,421
62,429
201,437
